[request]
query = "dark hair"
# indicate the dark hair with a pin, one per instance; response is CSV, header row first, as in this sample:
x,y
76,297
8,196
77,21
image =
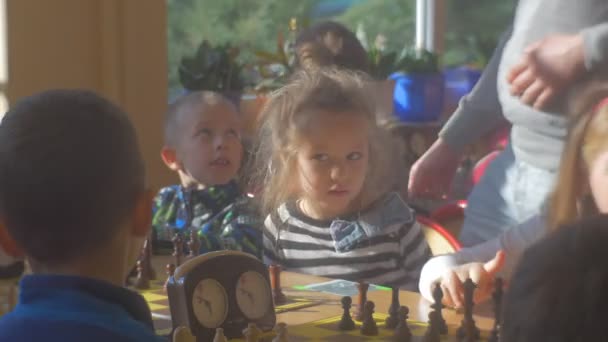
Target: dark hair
x,y
331,44
559,292
70,173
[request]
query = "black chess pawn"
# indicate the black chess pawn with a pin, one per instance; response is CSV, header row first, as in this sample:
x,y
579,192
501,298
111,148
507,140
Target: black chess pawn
x,y
402,332
432,332
346,323
467,331
178,248
194,244
142,282
438,306
393,311
368,326
497,299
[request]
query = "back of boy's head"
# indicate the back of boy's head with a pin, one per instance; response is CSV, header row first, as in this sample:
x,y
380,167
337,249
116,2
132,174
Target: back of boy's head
x,y
288,112
331,44
70,173
559,291
194,101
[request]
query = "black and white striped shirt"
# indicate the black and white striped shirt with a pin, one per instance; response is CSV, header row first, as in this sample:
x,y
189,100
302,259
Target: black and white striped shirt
x,y
393,256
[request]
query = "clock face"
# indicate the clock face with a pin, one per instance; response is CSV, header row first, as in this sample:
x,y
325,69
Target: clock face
x,y
253,295
210,303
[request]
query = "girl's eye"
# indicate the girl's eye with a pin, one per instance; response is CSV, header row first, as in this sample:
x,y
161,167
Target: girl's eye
x,y
232,133
203,132
354,156
320,157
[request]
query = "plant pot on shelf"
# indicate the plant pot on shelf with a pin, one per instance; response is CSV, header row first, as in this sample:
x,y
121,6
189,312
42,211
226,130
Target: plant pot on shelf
x,y
418,97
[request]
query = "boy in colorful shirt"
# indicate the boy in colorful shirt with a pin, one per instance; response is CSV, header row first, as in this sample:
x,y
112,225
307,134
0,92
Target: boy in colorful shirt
x,y
202,144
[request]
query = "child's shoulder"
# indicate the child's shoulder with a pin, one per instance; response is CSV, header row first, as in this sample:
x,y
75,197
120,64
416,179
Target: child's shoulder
x,y
389,209
168,192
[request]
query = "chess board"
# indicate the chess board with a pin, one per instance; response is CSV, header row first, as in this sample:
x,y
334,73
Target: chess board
x,y
327,330
159,306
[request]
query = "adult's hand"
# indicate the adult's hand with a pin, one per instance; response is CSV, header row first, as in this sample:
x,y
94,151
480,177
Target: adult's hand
x,y
432,174
547,67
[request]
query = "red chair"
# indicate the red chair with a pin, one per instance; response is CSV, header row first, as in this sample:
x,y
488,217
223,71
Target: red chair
x,y
440,240
482,165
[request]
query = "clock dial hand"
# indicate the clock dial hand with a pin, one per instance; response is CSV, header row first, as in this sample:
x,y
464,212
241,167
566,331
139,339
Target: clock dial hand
x,y
249,295
208,305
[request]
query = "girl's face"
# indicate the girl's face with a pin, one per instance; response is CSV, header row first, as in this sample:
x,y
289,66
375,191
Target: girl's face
x,y
331,163
598,181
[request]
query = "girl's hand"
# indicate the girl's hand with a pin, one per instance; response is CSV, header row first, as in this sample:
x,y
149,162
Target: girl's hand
x,y
482,275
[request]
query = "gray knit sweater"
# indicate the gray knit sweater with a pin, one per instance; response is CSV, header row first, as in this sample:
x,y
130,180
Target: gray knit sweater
x,y
537,136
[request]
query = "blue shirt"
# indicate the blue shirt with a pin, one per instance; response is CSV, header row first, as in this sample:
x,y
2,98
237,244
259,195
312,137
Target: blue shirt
x,y
69,308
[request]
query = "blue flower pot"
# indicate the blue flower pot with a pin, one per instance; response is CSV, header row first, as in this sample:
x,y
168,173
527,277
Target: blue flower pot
x,y
418,97
459,81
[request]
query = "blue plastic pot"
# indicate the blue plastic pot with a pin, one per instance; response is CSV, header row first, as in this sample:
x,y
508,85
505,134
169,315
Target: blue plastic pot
x,y
418,97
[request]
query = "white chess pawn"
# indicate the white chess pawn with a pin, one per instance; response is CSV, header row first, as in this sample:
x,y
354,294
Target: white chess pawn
x,y
251,333
219,336
281,330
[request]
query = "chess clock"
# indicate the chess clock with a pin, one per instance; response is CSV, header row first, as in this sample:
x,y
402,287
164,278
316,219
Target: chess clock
x,y
223,289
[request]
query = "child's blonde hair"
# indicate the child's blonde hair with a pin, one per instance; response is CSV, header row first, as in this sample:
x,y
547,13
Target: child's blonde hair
x,y
587,139
290,109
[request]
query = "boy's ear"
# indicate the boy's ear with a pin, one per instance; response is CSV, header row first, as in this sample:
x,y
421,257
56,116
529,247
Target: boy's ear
x,y
169,156
142,214
8,244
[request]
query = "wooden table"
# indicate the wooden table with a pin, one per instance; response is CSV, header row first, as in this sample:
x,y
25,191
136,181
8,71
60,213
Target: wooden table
x,y
419,307
327,306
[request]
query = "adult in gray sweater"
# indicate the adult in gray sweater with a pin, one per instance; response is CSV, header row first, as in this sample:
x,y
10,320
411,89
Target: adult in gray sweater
x,y
552,46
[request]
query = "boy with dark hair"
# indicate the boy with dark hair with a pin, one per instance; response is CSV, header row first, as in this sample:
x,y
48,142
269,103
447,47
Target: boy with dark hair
x,y
559,291
72,197
203,146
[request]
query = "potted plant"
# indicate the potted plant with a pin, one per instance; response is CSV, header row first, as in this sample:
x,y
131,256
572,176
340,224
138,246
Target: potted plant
x,y
213,68
419,87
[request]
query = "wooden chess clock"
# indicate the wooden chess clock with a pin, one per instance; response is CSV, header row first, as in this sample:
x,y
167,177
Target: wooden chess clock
x,y
223,289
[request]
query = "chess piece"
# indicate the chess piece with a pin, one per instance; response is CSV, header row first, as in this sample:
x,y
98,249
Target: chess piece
x,y
147,254
142,282
497,299
432,332
219,336
402,332
251,333
183,334
281,330
438,306
170,268
346,323
393,311
275,282
468,332
362,298
368,326
194,244
178,248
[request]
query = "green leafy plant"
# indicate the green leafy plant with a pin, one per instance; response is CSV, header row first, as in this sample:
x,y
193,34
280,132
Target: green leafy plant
x,y
416,61
274,68
213,68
